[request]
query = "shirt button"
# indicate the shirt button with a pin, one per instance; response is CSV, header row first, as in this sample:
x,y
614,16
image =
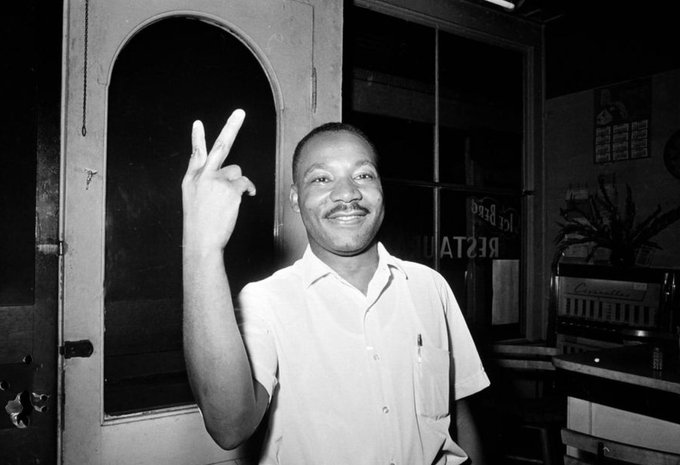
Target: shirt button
x,y
376,357
386,409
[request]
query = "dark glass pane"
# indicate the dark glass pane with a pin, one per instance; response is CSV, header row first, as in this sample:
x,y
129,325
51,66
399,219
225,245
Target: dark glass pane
x,y
389,46
454,246
389,89
405,147
495,159
20,60
454,150
479,254
480,74
172,73
481,97
408,227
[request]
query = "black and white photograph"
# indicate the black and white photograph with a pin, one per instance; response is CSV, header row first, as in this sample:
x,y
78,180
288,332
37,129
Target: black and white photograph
x,y
339,232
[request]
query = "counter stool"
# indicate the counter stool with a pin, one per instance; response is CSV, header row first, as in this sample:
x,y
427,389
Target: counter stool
x,y
526,412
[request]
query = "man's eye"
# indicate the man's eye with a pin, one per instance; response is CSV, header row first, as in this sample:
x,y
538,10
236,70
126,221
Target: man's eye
x,y
319,180
366,176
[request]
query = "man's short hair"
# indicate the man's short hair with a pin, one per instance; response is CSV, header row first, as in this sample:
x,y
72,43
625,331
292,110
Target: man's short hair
x,y
328,128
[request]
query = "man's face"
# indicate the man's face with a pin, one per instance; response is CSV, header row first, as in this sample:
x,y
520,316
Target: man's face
x,y
338,193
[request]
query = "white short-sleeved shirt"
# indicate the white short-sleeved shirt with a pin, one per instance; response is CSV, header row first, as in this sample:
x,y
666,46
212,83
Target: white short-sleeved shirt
x,y
359,379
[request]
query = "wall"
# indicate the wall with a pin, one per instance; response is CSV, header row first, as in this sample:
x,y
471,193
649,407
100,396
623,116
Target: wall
x,y
596,43
569,140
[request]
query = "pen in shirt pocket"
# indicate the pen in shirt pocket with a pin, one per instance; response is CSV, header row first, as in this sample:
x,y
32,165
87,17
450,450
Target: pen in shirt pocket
x,y
419,342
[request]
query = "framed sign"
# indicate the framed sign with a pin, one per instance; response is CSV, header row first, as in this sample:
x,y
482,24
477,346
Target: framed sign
x,y
622,121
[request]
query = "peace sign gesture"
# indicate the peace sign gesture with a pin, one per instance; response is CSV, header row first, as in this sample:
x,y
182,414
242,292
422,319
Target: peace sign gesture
x,y
211,195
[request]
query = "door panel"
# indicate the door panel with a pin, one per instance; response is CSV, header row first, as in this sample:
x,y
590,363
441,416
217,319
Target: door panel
x,y
170,438
29,204
280,36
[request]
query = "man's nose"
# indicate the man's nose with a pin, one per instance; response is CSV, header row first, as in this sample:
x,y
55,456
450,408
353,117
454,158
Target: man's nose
x,y
346,190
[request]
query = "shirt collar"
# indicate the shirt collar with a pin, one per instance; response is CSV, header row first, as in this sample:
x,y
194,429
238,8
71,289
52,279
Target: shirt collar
x,y
314,269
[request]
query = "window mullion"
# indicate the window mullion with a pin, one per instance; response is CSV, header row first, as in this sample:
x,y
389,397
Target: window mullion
x,y
435,174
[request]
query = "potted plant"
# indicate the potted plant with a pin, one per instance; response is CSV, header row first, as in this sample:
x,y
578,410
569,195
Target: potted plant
x,y
602,224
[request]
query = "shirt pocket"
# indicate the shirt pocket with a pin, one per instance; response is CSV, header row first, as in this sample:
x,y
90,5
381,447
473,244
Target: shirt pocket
x,y
431,381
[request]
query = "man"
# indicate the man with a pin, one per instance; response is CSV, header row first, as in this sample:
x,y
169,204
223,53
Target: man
x,y
354,352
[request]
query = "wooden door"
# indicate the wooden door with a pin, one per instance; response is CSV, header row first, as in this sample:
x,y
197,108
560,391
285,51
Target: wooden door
x,y
158,425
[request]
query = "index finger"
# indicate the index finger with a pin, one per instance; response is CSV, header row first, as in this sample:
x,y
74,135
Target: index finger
x,y
225,140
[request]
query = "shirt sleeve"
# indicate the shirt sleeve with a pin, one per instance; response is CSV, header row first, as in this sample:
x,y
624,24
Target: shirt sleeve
x,y
468,374
252,312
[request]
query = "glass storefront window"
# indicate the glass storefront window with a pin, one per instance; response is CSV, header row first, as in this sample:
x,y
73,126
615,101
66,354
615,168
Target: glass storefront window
x,y
450,138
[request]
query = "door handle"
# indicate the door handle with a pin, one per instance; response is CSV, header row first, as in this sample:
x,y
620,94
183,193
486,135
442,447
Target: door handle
x,y
72,349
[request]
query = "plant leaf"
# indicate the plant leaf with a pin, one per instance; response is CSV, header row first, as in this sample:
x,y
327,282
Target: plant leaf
x,y
607,201
630,210
659,224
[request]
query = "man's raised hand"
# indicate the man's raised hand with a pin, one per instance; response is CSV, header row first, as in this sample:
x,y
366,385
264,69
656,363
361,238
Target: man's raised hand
x,y
211,195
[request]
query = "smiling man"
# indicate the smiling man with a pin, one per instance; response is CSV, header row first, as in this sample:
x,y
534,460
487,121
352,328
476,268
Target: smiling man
x,y
338,194
356,354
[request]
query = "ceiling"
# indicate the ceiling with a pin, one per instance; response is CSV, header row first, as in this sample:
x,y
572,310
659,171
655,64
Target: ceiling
x,y
579,11
541,11
590,43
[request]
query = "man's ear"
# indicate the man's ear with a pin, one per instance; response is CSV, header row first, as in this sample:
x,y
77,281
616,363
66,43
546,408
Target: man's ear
x,y
293,197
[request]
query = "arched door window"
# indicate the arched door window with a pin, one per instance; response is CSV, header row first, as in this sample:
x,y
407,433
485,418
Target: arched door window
x,y
171,73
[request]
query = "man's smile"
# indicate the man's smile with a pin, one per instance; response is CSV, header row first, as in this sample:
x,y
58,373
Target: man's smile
x,y
347,213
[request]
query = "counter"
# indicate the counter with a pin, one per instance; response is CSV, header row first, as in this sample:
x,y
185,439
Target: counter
x,y
628,364
615,394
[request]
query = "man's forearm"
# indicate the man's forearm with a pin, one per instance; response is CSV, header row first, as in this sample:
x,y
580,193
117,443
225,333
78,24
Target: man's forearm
x,y
217,362
468,434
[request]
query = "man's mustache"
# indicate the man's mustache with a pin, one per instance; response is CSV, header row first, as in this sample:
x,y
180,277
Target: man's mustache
x,y
347,208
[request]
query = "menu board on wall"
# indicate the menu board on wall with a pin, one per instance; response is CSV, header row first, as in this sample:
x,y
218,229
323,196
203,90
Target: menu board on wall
x,y
622,118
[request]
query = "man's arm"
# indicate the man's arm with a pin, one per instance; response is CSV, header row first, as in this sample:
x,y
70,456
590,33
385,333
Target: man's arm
x,y
232,402
468,435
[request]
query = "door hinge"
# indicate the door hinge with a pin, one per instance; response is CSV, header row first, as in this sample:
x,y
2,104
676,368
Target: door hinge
x,y
72,349
57,248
